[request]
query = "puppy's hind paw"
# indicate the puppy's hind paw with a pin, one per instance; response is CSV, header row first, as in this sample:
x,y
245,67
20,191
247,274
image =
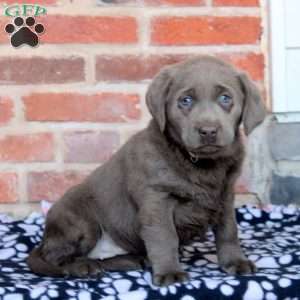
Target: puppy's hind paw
x,y
240,267
170,278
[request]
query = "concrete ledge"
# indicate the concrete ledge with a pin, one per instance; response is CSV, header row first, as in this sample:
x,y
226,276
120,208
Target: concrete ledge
x,y
285,189
284,141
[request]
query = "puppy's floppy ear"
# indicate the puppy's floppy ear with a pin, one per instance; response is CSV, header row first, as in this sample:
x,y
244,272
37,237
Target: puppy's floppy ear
x,y
254,110
156,97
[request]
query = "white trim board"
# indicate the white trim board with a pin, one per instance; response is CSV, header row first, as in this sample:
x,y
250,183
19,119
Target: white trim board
x,y
278,63
290,117
284,106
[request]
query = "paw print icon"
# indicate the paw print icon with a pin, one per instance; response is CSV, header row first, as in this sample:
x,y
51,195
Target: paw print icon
x,y
24,32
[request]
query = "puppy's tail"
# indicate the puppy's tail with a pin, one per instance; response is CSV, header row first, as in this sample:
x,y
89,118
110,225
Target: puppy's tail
x,y
40,266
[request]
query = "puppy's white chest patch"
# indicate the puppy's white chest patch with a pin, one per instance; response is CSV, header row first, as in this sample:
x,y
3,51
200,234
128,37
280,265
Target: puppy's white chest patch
x,y
105,248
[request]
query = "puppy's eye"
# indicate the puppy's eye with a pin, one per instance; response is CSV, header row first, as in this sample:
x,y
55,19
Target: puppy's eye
x,y
186,101
225,100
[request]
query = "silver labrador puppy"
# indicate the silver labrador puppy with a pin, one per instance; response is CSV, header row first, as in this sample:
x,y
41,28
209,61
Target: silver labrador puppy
x,y
167,184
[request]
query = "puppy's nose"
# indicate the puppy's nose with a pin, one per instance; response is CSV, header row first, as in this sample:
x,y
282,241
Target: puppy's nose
x,y
208,133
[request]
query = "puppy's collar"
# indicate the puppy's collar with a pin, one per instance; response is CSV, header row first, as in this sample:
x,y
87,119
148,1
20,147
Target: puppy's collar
x,y
193,158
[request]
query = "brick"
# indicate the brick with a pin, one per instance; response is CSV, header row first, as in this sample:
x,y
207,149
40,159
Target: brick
x,y
8,187
39,70
104,107
6,110
41,2
153,2
52,185
141,67
205,30
132,67
90,146
175,2
4,37
236,2
89,29
252,63
26,148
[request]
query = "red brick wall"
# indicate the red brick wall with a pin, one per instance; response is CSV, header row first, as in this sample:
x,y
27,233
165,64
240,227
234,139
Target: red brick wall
x,y
67,105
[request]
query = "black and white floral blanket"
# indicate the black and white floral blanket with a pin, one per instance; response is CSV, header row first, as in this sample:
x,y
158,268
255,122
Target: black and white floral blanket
x,y
270,237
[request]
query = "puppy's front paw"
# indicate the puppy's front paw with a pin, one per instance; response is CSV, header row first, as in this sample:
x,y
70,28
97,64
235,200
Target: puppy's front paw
x,y
83,267
170,278
239,267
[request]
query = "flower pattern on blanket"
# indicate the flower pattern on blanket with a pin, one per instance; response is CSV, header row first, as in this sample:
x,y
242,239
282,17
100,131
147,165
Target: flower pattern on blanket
x,y
270,237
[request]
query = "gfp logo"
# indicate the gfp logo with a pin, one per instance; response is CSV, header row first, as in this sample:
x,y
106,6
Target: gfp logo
x,y
24,30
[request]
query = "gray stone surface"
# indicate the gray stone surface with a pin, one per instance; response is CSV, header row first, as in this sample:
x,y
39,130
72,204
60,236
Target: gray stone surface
x,y
258,165
285,189
284,141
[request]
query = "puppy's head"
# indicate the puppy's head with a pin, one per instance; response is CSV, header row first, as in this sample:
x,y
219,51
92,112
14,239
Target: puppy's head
x,y
201,103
